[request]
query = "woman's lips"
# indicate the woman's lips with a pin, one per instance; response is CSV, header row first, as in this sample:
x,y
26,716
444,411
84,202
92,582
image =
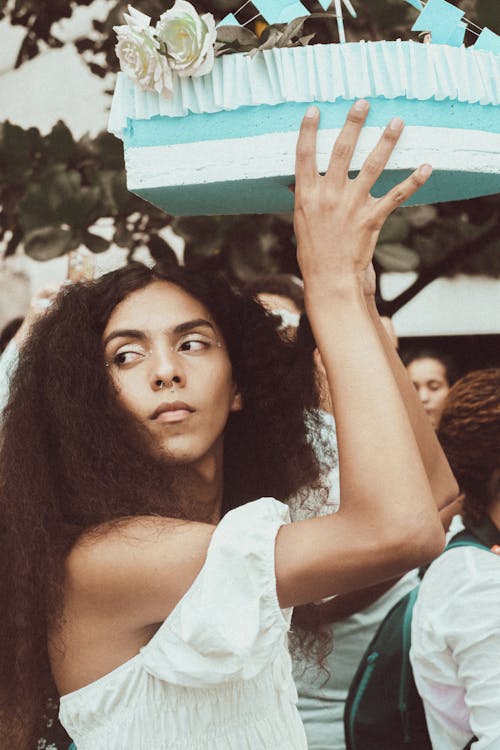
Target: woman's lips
x,y
176,411
174,415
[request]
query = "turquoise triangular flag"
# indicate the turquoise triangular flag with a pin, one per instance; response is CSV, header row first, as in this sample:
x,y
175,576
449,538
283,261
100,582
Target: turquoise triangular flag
x,y
325,4
440,18
280,11
488,41
229,20
457,35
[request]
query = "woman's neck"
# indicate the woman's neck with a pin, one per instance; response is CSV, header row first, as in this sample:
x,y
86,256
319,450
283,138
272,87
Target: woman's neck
x,y
207,488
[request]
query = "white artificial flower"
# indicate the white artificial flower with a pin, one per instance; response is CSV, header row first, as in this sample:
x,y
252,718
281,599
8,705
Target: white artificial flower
x,y
137,51
188,38
138,22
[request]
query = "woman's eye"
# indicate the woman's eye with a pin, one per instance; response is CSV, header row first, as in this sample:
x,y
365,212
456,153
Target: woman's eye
x,y
435,386
127,358
194,345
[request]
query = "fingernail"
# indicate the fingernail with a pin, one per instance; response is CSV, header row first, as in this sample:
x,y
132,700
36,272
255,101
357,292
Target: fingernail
x,y
425,170
312,112
361,105
396,123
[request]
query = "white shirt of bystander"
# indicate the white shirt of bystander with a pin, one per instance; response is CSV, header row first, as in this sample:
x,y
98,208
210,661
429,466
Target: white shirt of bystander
x,y
455,650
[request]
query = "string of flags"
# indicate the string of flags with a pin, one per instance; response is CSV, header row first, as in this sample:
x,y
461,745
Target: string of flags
x,y
447,25
444,21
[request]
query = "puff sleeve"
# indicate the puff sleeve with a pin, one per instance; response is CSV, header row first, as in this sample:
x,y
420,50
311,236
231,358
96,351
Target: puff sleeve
x,y
228,626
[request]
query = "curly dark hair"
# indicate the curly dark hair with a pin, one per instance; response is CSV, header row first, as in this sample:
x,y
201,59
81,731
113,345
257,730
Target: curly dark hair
x,y
71,458
469,432
311,638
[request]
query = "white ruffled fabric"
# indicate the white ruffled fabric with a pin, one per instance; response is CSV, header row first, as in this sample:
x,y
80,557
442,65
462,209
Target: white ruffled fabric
x,y
217,674
320,72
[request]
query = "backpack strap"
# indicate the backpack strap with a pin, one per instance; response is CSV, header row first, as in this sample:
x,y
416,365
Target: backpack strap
x,y
466,543
485,533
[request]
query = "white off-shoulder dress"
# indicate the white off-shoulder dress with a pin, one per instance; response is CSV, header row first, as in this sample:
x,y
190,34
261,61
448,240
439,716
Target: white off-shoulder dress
x,y
217,674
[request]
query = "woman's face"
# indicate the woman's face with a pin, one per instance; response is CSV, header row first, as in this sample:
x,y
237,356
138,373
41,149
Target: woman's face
x,y
171,369
428,375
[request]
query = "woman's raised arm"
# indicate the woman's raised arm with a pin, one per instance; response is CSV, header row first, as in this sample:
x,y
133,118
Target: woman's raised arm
x,y
388,522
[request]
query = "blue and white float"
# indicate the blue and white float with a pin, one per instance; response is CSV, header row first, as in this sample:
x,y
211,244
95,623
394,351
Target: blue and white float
x,y
224,143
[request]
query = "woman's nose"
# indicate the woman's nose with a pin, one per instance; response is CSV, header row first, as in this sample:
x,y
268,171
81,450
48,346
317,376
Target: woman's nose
x,y
166,370
424,395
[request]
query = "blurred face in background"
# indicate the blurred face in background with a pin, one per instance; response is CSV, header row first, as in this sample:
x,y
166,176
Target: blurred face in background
x,y
429,377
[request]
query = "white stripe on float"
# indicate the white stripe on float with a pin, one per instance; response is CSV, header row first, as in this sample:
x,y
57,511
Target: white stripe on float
x,y
273,155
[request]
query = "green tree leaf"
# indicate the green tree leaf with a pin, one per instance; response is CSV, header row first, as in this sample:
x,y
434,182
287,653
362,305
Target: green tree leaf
x,y
48,242
94,242
60,142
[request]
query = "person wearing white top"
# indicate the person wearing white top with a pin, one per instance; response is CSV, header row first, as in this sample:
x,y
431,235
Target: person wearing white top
x,y
147,569
455,650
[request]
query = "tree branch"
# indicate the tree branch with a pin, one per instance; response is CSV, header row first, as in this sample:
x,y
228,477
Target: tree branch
x,y
425,277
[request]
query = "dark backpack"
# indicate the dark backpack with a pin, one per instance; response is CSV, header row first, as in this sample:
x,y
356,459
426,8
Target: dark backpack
x,y
383,710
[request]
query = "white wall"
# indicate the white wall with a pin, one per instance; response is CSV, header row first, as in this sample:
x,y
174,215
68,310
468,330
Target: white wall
x,y
457,306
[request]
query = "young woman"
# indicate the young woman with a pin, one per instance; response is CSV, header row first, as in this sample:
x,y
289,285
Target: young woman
x,y
456,620
143,570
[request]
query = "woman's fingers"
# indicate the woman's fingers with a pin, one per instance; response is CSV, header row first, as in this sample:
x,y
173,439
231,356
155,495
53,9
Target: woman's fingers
x,y
306,170
400,193
377,160
345,144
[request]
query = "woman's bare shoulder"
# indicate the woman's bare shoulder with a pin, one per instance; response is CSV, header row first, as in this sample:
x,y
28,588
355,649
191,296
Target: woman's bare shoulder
x,y
143,564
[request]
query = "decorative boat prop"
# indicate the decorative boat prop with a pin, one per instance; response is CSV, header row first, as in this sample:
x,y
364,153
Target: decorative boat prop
x,y
223,141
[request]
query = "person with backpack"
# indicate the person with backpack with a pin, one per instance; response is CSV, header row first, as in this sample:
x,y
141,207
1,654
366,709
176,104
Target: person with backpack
x,y
450,623
455,650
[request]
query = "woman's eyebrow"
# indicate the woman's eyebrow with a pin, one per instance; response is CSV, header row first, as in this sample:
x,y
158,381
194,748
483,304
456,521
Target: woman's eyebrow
x,y
129,333
190,324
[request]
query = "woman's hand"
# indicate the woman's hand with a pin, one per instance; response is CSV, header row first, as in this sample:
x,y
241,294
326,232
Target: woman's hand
x,y
337,221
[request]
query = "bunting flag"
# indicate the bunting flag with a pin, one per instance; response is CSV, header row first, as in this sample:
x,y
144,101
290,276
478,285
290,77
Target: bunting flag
x,y
284,11
229,20
325,4
488,41
441,18
280,11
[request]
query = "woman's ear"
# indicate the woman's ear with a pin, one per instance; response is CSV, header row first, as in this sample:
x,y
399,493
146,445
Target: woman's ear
x,y
237,402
